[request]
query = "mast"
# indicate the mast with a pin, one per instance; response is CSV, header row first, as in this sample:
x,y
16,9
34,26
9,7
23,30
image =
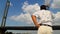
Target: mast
x,y
5,14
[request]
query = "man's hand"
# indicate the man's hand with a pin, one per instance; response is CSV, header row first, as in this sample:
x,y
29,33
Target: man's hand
x,y
35,21
38,26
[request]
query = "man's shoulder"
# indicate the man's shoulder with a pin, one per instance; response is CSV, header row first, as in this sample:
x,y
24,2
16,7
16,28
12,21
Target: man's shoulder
x,y
48,11
36,13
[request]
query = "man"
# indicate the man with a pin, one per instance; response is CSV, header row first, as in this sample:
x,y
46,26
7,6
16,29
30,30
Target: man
x,y
46,18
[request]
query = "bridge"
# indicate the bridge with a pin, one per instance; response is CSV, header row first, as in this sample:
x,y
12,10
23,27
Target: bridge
x,y
3,29
25,28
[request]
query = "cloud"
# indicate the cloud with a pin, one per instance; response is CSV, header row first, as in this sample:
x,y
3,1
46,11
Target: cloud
x,y
57,19
55,4
30,8
58,15
47,2
25,18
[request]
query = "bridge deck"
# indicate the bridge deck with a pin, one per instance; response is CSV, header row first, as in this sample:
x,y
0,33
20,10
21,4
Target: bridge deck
x,y
26,28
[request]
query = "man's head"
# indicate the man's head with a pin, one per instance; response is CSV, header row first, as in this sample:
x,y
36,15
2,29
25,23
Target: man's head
x,y
43,7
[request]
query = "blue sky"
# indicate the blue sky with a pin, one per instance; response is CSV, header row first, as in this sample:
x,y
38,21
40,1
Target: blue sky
x,y
15,10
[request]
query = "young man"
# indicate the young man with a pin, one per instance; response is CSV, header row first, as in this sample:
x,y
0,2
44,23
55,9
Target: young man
x,y
46,18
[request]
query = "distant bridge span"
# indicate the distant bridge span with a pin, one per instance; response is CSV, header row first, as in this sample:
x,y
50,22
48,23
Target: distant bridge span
x,y
25,28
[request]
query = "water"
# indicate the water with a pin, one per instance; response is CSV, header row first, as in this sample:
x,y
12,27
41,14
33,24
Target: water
x,y
30,31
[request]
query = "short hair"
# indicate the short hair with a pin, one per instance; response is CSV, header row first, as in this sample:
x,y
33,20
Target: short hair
x,y
43,7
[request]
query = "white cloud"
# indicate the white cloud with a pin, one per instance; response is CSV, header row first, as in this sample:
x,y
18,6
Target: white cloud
x,y
55,4
47,2
25,18
58,15
30,8
57,19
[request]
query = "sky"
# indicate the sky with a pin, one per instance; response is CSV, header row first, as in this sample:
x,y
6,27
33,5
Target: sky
x,y
20,11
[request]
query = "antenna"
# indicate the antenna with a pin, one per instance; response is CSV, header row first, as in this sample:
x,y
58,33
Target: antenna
x,y
5,14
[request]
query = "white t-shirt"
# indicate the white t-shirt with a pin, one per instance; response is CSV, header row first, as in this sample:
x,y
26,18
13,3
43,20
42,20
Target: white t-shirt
x,y
46,17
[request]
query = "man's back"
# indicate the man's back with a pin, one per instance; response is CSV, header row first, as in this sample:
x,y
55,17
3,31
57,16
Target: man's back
x,y
45,15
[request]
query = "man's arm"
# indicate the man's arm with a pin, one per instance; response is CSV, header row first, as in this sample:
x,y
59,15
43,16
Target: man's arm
x,y
35,21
